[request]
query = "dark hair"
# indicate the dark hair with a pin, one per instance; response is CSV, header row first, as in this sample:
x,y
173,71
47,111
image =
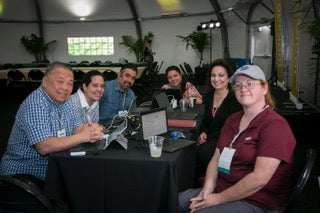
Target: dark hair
x,y
173,68
87,78
219,62
129,66
56,64
183,81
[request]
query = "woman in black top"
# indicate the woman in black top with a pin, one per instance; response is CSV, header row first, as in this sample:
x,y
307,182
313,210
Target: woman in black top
x,y
220,102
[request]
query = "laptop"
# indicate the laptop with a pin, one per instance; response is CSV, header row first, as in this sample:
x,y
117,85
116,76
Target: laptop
x,y
135,111
104,143
132,106
154,122
117,120
160,99
173,93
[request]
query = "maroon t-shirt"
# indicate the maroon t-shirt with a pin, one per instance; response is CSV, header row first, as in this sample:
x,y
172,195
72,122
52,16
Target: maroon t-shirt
x,y
268,135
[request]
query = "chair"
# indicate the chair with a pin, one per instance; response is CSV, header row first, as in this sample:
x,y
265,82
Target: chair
x,y
96,63
123,61
17,84
18,196
16,78
84,63
109,75
189,71
184,72
8,66
158,67
78,76
35,77
304,160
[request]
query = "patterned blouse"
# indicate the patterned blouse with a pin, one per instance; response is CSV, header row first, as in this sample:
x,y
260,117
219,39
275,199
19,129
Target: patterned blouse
x,y
190,91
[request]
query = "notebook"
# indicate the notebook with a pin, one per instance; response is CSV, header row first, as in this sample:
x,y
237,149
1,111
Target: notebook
x,y
154,122
160,99
104,143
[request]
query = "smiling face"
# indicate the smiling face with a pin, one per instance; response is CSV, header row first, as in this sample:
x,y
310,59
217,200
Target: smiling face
x,y
250,92
174,78
95,89
219,77
58,84
126,78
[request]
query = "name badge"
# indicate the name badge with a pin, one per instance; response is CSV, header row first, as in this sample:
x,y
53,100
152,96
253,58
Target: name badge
x,y
123,113
61,133
225,160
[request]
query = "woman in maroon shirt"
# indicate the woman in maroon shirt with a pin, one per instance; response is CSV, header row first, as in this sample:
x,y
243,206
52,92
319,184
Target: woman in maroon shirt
x,y
250,170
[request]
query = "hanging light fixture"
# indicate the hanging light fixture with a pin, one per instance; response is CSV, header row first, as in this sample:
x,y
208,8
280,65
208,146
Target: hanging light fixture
x,y
209,25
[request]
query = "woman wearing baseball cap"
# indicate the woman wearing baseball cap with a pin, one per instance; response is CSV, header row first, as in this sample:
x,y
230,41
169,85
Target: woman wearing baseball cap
x,y
250,170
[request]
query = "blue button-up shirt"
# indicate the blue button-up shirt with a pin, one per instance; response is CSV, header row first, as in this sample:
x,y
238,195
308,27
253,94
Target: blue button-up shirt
x,y
38,118
113,100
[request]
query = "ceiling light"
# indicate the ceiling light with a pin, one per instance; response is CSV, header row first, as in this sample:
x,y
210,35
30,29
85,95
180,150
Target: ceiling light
x,y
209,25
218,24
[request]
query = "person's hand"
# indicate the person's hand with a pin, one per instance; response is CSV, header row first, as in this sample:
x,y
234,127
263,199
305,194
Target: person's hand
x,y
203,200
197,202
91,132
202,138
198,100
96,132
165,87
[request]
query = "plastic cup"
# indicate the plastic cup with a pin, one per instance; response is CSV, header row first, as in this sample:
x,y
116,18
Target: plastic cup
x,y
155,145
192,101
183,105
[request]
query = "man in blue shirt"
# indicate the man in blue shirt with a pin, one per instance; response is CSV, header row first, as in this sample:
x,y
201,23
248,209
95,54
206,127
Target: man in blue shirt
x,y
118,93
46,122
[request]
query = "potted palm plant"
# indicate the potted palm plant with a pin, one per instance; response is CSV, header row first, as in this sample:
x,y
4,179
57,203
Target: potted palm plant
x,y
36,46
198,41
136,46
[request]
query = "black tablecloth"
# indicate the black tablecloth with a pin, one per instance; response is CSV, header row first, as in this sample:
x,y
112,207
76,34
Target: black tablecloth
x,y
118,180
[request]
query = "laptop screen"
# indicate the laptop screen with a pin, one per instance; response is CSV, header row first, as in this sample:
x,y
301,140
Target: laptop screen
x,y
160,99
176,93
153,122
133,105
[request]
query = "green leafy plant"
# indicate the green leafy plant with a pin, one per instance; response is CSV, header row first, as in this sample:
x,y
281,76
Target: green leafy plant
x,y
36,46
136,46
198,41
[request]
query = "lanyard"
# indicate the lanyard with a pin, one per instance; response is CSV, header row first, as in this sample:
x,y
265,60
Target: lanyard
x,y
59,118
124,100
246,126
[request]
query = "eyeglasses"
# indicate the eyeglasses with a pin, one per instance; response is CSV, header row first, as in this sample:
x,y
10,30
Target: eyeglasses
x,y
247,85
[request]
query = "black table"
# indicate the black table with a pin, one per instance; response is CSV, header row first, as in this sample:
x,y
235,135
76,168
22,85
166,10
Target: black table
x,y
118,180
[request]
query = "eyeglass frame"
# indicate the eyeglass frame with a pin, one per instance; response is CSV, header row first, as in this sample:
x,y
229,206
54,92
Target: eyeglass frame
x,y
251,84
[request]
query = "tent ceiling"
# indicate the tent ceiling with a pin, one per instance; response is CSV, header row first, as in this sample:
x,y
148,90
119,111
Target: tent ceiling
x,y
110,10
